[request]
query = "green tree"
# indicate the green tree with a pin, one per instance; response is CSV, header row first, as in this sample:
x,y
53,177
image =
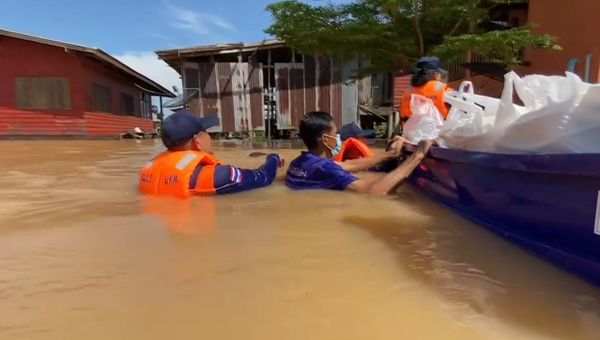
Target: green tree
x,y
392,34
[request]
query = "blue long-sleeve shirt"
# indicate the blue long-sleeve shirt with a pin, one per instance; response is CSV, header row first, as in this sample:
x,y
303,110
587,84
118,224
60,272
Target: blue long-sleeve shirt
x,y
229,179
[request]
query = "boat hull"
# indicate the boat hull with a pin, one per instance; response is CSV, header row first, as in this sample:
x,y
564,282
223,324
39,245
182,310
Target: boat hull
x,y
545,203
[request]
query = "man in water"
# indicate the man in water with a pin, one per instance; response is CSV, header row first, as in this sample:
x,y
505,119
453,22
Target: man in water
x,y
188,167
314,168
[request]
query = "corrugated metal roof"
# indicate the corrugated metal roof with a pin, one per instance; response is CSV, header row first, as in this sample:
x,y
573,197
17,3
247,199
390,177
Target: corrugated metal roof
x,y
208,50
94,52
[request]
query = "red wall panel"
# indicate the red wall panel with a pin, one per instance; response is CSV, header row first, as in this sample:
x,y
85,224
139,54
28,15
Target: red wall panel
x,y
21,58
106,125
33,123
401,85
94,72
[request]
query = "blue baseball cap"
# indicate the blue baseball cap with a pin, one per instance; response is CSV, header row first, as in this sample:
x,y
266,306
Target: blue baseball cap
x,y
429,63
181,126
353,130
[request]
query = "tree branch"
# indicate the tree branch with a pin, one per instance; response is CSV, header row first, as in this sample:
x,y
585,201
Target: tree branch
x,y
455,28
419,35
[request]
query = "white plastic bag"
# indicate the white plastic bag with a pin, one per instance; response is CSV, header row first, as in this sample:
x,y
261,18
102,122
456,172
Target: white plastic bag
x,y
425,121
564,117
560,115
470,121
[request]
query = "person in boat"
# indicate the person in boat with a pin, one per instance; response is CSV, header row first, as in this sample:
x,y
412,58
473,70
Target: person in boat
x,y
428,81
188,166
315,168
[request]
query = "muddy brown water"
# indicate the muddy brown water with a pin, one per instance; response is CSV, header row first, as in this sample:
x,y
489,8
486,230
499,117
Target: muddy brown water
x,y
83,256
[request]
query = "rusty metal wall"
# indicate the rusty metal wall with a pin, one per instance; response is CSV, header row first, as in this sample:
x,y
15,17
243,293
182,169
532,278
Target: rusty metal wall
x,y
208,89
190,84
282,81
336,93
323,80
234,92
235,96
349,94
255,86
296,94
401,85
310,84
364,90
225,83
241,98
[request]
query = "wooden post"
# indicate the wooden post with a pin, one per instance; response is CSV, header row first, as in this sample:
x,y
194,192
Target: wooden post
x,y
304,84
218,84
269,94
161,108
390,126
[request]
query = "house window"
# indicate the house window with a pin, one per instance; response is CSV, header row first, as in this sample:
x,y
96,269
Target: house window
x,y
101,98
127,105
43,93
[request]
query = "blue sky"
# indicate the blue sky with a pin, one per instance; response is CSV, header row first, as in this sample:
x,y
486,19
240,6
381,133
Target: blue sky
x,y
131,30
121,26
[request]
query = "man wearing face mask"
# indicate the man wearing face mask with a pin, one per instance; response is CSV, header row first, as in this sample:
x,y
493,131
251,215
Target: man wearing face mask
x,y
188,166
315,169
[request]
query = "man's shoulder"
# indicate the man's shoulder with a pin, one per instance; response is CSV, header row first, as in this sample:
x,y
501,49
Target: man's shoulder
x,y
309,165
305,158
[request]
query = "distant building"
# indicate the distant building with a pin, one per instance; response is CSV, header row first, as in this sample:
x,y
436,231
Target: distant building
x,y
52,88
574,23
248,85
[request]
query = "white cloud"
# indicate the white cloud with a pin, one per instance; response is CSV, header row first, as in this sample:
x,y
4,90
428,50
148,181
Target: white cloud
x,y
195,22
148,64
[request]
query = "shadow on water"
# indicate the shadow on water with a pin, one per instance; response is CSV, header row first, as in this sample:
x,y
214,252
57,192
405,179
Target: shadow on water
x,y
474,268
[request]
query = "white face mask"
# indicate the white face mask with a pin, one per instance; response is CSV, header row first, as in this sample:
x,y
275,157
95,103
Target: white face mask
x,y
338,146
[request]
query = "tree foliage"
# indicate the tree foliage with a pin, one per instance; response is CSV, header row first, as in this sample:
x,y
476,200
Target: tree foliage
x,y
394,33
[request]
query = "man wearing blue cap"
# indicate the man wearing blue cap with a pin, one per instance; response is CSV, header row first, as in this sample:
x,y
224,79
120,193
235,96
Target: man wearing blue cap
x,y
428,81
188,166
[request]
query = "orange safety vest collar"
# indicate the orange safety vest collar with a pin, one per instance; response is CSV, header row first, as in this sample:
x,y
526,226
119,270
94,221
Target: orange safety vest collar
x,y
433,90
169,174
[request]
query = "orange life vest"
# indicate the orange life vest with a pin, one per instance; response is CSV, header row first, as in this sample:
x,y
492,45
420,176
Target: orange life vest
x,y
433,90
353,148
169,174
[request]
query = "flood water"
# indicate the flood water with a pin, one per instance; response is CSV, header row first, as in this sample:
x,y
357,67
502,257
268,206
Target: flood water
x,y
83,256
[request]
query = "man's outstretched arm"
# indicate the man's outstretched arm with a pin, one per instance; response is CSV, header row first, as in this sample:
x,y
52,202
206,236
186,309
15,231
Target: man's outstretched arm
x,y
392,180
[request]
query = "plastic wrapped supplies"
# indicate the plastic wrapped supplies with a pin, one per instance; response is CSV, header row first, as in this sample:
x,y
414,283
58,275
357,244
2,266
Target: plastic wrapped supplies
x,y
470,118
559,115
425,121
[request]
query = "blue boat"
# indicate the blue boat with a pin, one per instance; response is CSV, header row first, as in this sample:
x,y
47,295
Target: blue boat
x,y
546,203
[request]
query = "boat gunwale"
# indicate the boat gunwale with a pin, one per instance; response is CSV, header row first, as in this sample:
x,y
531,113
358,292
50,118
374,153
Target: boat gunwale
x,y
584,164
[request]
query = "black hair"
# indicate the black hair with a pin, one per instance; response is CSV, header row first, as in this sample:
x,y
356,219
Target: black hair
x,y
313,126
421,77
172,144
